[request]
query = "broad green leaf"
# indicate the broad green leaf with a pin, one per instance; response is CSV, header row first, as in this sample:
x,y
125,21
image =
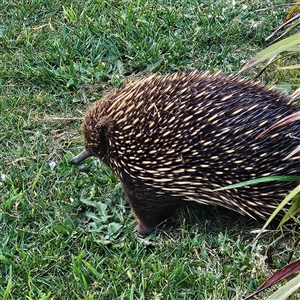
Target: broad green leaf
x,y
273,50
290,196
286,290
279,275
292,211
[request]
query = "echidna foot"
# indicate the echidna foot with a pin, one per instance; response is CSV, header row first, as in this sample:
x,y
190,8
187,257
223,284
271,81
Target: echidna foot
x,y
142,229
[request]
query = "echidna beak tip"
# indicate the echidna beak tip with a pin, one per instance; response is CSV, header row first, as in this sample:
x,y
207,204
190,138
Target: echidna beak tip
x,y
81,157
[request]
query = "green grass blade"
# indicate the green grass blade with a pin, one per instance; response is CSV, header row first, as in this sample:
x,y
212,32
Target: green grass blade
x,y
286,200
259,180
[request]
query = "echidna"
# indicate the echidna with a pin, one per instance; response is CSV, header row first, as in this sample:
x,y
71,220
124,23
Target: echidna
x,y
177,138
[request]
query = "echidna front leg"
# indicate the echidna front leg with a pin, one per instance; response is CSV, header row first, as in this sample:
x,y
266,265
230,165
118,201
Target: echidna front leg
x,y
148,220
147,217
142,229
149,209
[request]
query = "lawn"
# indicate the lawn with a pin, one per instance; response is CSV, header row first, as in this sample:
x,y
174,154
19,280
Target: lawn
x,y
66,232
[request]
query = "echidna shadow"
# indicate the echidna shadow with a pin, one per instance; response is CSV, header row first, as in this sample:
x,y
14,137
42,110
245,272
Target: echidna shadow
x,y
177,138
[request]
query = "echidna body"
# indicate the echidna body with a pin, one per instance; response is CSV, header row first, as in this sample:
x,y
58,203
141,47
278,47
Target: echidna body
x,y
176,139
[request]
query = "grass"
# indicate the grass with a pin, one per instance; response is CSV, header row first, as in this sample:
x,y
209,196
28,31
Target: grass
x,y
66,231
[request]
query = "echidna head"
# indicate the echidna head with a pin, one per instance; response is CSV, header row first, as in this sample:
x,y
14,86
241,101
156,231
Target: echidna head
x,y
96,130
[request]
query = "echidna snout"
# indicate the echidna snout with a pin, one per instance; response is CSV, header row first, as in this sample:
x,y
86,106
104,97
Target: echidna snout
x,y
81,157
175,139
